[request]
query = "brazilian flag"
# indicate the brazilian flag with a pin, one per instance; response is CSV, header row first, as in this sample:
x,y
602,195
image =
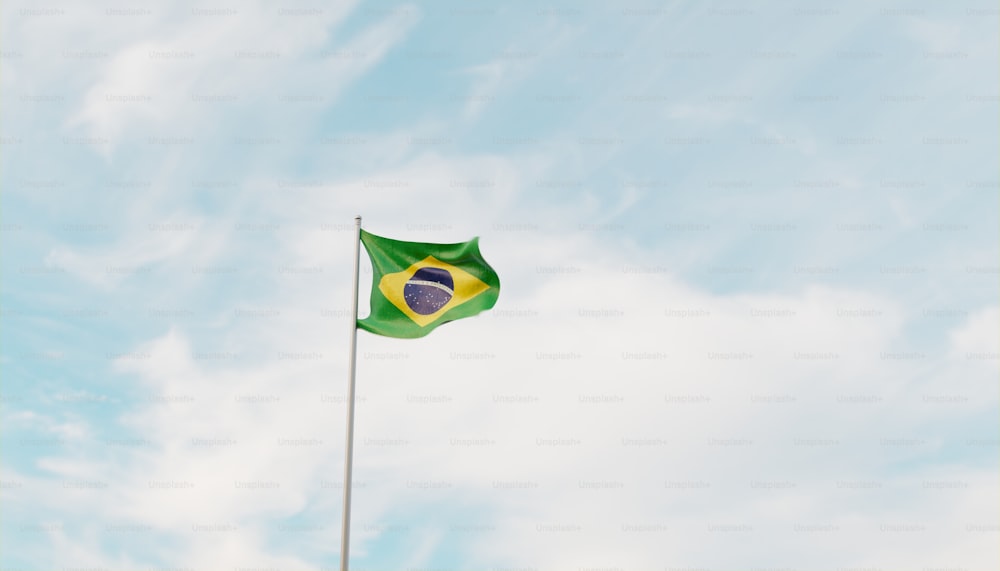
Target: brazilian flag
x,y
417,286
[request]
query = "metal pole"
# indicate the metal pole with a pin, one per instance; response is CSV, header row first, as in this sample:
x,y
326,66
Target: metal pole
x,y
345,538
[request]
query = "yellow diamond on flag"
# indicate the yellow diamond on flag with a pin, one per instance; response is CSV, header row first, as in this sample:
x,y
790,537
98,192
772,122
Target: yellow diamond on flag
x,y
430,288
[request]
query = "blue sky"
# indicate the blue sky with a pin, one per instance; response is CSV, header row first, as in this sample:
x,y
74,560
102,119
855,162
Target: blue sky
x,y
748,317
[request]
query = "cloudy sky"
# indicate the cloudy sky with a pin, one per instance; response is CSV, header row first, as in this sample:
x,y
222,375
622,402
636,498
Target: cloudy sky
x,y
749,261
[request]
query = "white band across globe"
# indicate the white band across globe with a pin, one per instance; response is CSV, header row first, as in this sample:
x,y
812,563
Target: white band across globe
x,y
432,284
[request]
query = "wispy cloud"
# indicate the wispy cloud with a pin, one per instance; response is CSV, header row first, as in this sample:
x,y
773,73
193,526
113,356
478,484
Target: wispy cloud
x,y
187,75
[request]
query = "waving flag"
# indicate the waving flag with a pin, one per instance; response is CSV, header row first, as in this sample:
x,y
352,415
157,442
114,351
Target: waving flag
x,y
417,286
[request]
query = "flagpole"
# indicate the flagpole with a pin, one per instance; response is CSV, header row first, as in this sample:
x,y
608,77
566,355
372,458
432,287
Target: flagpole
x,y
345,537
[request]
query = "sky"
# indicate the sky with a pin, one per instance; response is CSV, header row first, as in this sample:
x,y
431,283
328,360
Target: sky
x,y
749,268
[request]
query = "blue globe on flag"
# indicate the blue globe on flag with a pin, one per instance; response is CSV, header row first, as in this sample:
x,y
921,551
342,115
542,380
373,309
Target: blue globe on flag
x,y
428,290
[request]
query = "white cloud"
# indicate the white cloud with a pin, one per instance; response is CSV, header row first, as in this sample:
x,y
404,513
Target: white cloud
x,y
980,334
173,80
533,50
489,77
180,243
